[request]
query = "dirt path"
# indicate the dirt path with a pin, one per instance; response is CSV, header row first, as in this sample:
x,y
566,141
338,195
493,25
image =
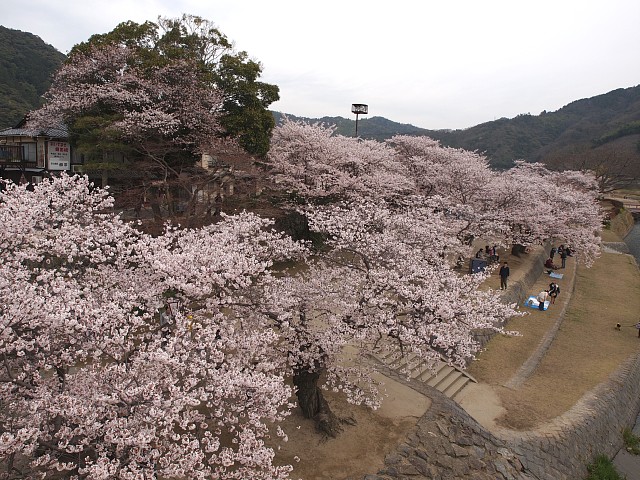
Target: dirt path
x,y
585,349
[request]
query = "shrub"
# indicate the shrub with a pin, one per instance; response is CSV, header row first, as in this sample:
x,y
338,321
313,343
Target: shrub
x,y
631,441
602,469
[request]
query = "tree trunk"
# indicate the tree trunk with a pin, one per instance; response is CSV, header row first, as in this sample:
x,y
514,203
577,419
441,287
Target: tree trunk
x,y
105,178
314,405
517,250
154,200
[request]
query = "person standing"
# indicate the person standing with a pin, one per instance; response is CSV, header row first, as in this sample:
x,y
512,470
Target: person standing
x,y
552,252
554,291
504,275
563,257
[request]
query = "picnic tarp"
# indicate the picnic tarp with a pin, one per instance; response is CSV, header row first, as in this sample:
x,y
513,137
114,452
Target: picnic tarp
x,y
533,302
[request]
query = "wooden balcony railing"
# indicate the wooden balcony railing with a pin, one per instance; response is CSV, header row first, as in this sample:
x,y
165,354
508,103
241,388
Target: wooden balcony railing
x,y
13,155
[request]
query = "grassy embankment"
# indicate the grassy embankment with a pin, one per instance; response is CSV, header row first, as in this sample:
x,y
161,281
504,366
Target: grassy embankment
x,y
586,349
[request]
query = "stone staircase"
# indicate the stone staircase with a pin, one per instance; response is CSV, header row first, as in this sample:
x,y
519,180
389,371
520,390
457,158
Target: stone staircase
x,y
445,378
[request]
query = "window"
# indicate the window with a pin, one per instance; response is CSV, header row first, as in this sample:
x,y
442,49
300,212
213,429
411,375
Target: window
x,y
29,152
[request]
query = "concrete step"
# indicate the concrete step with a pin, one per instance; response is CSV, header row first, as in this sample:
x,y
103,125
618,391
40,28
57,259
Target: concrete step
x,y
457,386
429,373
451,377
419,371
440,376
446,378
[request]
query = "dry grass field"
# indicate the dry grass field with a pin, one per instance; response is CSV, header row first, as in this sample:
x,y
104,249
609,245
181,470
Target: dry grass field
x,y
586,349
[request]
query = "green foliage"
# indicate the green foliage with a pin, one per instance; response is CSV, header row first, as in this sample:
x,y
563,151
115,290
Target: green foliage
x,y
140,37
631,441
632,128
94,138
26,65
245,102
602,469
246,99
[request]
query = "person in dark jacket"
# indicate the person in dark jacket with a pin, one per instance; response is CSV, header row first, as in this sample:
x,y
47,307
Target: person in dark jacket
x,y
504,275
563,257
554,291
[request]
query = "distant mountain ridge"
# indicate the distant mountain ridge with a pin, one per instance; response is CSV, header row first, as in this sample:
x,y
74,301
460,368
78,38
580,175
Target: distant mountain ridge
x,y
607,123
582,123
26,66
374,128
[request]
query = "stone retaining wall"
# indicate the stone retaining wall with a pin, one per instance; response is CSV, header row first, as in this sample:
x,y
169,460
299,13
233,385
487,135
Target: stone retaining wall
x,y
562,448
622,223
448,443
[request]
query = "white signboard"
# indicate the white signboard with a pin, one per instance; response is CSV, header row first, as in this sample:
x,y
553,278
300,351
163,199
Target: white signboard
x,y
59,156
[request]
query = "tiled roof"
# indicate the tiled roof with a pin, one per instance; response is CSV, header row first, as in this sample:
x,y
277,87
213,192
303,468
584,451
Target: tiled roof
x,y
59,131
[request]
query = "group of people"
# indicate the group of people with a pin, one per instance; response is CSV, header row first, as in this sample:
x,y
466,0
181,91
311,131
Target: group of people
x,y
489,253
550,294
553,291
563,252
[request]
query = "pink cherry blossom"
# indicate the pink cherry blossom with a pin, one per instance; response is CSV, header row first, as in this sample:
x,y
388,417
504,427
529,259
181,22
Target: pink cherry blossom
x,y
93,383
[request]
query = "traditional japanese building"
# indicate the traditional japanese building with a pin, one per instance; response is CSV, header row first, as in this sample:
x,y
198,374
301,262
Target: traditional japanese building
x,y
27,155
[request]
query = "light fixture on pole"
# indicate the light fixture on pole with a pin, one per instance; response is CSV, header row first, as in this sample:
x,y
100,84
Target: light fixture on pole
x,y
359,108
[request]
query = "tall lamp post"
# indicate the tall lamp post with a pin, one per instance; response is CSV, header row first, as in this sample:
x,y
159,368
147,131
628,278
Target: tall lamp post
x,y
359,108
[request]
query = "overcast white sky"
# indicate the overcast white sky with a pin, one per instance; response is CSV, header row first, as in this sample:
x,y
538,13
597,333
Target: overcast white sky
x,y
434,64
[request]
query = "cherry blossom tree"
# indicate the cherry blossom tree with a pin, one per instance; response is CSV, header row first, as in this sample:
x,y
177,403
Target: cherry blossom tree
x,y
144,102
165,115
160,118
314,163
525,205
394,216
539,205
458,181
244,109
383,285
100,378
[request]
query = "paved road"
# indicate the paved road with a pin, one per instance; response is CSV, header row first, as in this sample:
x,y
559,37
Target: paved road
x,y
626,463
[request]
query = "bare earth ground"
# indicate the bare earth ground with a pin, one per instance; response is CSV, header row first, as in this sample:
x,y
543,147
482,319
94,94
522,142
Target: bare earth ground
x,y
586,350
361,448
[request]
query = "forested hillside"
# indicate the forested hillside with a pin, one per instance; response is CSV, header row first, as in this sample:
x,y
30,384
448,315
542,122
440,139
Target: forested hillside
x,y
26,65
604,129
375,128
582,125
